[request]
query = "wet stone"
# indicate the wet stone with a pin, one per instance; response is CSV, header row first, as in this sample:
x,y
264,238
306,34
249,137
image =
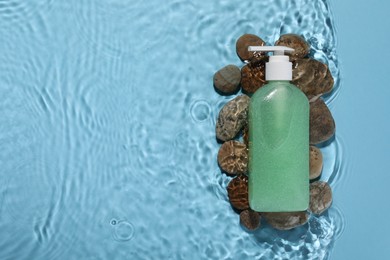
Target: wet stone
x,y
322,125
245,135
232,118
253,77
312,77
298,43
320,197
250,219
315,162
286,220
238,192
233,157
244,42
227,80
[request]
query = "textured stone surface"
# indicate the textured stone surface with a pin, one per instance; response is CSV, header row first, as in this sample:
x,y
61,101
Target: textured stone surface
x,y
250,219
322,125
312,77
320,197
315,162
227,80
298,43
253,77
233,157
244,42
245,135
286,220
238,192
232,118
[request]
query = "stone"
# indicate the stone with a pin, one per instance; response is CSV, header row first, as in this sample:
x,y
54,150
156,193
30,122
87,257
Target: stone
x,y
227,80
245,135
286,220
250,219
232,118
298,43
238,192
315,162
233,157
312,77
253,77
244,42
322,125
320,197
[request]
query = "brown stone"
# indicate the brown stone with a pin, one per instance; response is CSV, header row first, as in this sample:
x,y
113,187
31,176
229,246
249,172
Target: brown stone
x,y
312,77
298,43
232,118
250,219
320,197
227,80
233,157
286,220
253,77
244,42
322,125
315,162
238,192
245,135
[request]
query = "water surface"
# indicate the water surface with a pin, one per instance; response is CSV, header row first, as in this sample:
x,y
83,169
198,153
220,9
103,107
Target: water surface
x,y
107,118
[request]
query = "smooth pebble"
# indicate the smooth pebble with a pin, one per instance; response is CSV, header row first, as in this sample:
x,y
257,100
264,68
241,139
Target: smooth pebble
x,y
250,219
232,118
286,220
312,77
238,192
320,197
253,77
227,80
233,157
322,125
315,162
244,42
298,43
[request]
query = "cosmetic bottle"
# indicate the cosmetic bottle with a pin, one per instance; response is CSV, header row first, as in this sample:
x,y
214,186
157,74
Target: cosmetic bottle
x,y
278,139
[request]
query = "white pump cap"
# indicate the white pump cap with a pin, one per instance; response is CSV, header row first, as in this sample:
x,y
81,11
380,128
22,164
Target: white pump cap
x,y
279,66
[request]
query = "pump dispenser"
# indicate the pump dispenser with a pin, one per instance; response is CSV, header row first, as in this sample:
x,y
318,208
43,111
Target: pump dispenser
x,y
278,139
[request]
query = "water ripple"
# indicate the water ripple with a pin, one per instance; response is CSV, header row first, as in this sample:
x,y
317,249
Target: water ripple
x,y
14,11
333,160
105,24
314,240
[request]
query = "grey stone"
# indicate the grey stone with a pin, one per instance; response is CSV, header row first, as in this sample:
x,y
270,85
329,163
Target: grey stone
x,y
227,80
232,118
320,197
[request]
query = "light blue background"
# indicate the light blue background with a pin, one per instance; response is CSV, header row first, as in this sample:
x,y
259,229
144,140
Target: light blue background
x,y
361,112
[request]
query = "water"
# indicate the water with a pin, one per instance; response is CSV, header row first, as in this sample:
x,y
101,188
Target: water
x,y
107,118
361,113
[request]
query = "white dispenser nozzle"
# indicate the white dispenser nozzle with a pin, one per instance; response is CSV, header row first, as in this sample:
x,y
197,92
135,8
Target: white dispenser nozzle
x,y
279,66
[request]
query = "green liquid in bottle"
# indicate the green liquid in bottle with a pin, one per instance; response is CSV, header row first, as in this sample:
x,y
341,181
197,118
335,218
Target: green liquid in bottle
x,y
279,149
